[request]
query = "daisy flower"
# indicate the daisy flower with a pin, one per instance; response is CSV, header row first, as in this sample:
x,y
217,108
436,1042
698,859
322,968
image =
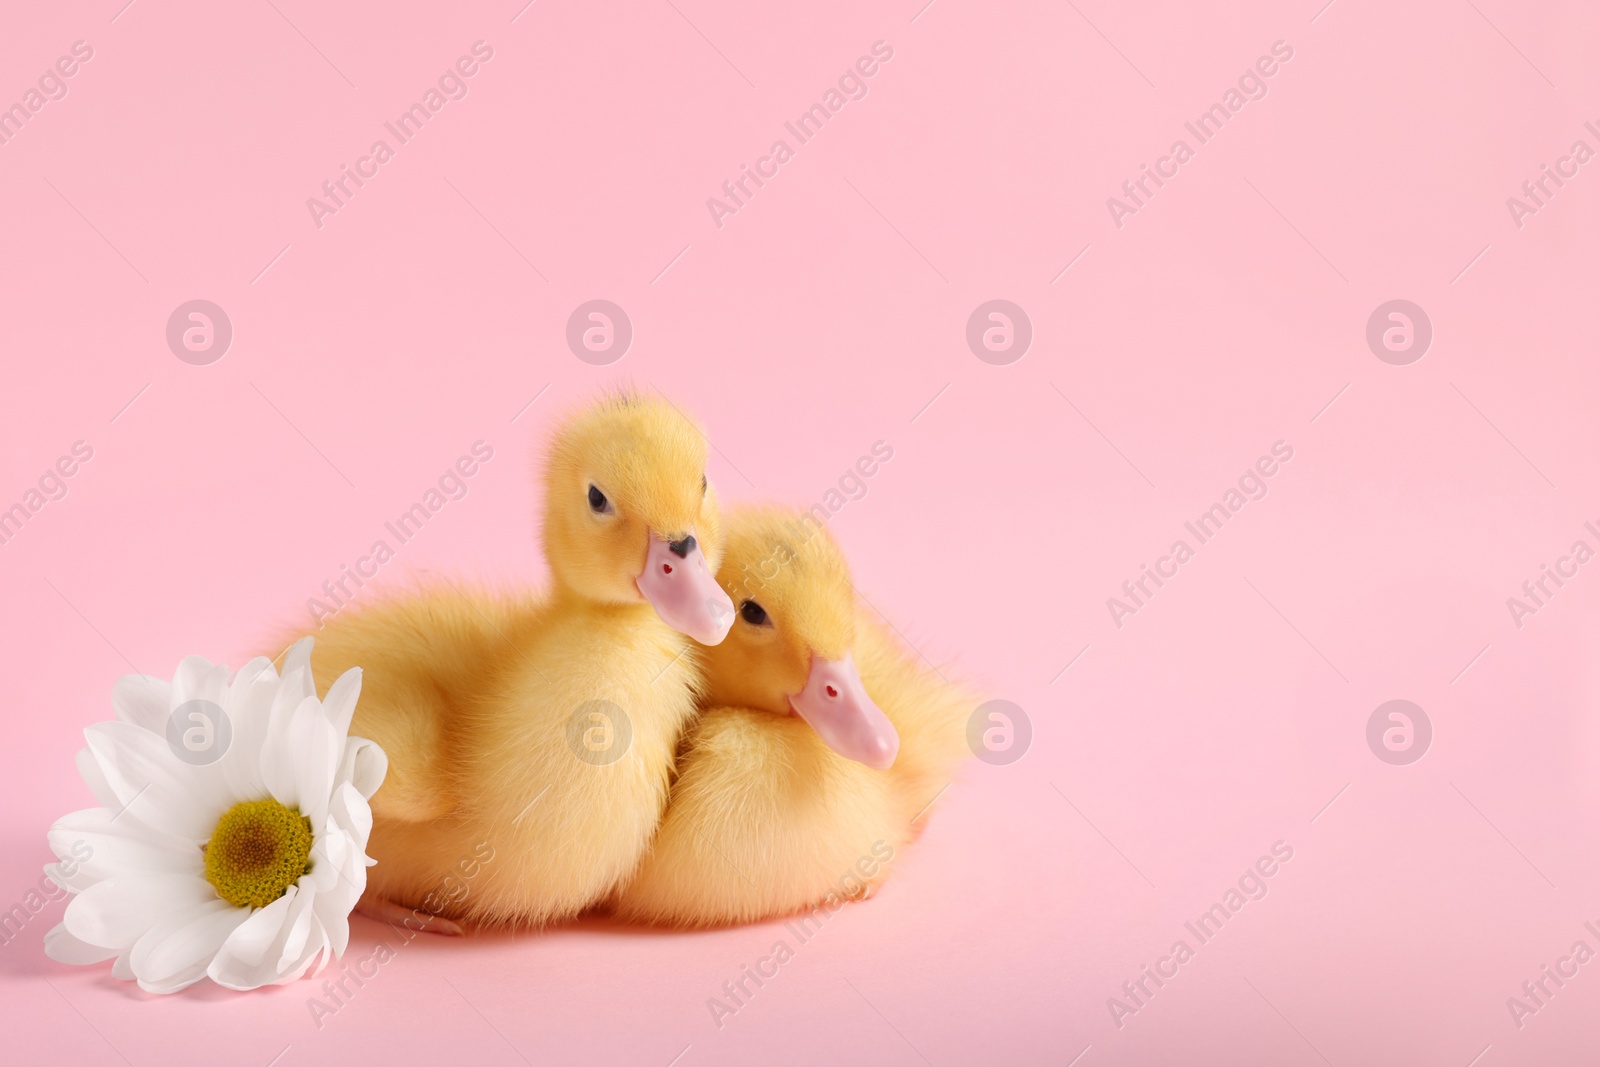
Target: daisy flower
x,y
231,840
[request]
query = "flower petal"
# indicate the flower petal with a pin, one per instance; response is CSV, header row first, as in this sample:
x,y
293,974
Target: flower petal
x,y
197,678
143,701
297,940
277,944
340,703
350,813
154,785
117,912
298,657
249,709
93,777
241,962
326,954
277,757
176,951
314,951
335,919
335,902
330,852
365,765
252,671
62,947
96,844
316,749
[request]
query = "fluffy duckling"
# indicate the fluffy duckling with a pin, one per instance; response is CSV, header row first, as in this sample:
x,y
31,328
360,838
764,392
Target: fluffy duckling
x,y
796,784
531,740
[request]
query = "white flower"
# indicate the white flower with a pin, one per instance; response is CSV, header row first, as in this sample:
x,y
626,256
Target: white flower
x,y
244,868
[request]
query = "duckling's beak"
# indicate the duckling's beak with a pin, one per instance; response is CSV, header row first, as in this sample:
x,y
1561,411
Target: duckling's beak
x,y
683,591
836,705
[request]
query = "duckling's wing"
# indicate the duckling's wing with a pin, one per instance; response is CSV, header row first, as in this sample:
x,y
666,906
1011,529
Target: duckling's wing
x,y
421,656
764,820
928,706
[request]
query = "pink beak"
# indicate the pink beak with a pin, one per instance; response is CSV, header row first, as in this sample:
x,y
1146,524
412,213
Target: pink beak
x,y
836,705
680,587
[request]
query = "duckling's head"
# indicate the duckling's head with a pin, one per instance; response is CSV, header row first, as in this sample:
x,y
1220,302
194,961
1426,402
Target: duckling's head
x,y
629,515
791,648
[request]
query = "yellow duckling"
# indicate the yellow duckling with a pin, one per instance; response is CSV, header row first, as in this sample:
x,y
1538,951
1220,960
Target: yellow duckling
x,y
795,784
531,740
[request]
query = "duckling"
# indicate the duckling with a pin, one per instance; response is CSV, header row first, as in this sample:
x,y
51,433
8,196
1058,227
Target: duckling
x,y
531,738
796,785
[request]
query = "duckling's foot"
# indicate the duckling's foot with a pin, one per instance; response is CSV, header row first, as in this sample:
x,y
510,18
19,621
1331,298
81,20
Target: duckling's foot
x,y
387,911
867,892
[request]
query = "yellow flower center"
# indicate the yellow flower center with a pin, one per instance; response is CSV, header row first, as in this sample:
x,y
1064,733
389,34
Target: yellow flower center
x,y
259,849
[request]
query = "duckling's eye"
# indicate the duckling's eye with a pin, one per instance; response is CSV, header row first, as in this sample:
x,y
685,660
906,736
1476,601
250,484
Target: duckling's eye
x,y
753,613
598,502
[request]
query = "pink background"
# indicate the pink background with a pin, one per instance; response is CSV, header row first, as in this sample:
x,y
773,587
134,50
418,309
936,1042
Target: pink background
x,y
822,317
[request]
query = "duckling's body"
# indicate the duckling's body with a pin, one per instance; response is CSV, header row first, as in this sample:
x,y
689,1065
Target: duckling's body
x,y
422,655
765,818
559,830
531,740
